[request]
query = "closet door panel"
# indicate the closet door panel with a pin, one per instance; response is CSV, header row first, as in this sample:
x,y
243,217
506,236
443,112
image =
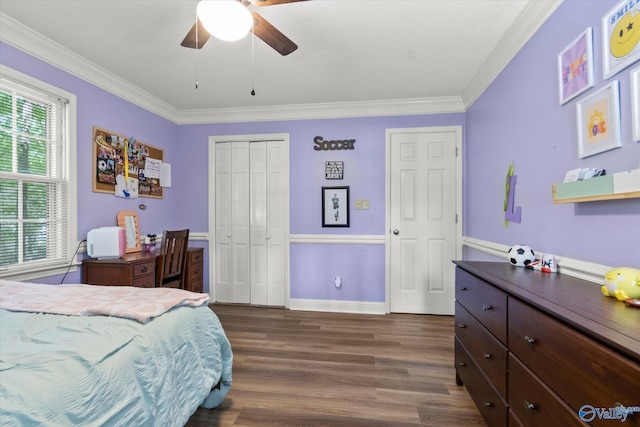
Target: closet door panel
x,y
223,248
258,215
277,223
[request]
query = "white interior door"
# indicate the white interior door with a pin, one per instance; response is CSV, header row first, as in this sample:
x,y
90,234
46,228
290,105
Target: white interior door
x,y
422,219
252,217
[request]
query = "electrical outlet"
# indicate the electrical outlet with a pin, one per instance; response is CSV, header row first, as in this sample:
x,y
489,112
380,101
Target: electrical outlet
x,y
358,203
365,203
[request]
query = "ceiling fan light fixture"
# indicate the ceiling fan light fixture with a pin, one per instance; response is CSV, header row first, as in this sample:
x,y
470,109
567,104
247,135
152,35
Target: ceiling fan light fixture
x,y
226,20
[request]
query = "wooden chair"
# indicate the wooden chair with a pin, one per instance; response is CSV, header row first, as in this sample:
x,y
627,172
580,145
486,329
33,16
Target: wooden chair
x,y
172,259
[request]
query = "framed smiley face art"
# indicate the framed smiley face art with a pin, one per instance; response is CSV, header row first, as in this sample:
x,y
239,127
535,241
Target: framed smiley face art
x,y
620,37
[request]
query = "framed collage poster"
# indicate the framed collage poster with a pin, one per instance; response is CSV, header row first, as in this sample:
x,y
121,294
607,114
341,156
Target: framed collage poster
x,y
620,37
575,67
335,206
124,166
598,118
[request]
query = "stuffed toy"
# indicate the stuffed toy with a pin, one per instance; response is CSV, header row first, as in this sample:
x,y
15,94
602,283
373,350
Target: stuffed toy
x,y
622,283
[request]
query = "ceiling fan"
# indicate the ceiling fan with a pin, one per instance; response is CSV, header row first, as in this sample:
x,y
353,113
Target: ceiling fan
x,y
198,35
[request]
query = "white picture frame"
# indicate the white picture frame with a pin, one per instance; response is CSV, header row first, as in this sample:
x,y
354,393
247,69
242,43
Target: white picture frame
x,y
618,49
598,121
575,67
634,77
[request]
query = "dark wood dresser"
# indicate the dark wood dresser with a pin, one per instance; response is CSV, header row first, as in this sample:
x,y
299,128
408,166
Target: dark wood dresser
x,y
538,349
195,263
139,269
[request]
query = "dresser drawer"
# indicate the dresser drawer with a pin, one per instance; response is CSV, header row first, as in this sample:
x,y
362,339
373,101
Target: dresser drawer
x,y
195,270
144,268
485,302
533,403
145,281
489,403
580,370
488,353
195,256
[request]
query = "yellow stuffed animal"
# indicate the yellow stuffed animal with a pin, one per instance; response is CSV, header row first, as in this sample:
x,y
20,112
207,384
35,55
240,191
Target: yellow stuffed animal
x,y
622,283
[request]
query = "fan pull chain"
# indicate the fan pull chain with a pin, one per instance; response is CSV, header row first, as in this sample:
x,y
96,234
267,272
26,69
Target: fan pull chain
x,y
253,73
197,49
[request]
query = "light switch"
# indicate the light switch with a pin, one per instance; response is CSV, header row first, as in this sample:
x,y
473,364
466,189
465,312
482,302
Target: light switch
x,y
365,203
358,203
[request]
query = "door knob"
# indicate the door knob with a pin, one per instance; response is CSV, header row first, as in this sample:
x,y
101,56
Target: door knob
x,y
396,231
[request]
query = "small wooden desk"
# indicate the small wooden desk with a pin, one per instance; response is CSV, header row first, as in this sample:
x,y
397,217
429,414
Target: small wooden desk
x,y
139,269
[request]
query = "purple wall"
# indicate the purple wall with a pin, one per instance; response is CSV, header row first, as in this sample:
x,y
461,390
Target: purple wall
x,y
313,266
97,107
518,118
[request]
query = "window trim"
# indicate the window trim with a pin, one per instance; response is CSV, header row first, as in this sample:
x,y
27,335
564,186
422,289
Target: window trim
x,y
49,268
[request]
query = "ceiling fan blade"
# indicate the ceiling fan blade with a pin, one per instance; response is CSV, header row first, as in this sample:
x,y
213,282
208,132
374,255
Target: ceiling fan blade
x,y
272,36
272,2
190,39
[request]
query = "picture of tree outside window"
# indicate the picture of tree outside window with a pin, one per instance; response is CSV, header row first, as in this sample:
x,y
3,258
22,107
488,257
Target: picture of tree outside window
x,y
335,206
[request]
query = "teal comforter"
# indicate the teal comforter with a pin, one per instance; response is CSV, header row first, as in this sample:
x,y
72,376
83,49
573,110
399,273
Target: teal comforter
x,y
58,370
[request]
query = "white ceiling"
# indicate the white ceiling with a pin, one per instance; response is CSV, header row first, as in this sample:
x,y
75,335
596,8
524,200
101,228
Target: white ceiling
x,y
350,51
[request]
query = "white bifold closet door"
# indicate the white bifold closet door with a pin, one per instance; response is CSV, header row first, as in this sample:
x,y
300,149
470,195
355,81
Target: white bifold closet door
x,y
251,222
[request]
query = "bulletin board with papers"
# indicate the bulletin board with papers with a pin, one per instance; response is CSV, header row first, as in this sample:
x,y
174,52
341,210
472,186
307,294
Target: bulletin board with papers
x,y
125,166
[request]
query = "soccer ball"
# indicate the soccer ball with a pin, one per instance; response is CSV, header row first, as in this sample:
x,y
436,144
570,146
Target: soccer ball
x,y
521,255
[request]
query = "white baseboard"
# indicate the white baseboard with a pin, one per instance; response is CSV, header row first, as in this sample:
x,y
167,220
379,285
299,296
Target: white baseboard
x,y
571,267
357,307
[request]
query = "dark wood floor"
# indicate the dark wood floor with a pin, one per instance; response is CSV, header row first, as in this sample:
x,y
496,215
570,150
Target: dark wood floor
x,y
296,368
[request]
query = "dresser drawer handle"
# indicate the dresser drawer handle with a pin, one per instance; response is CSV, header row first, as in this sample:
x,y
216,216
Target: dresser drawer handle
x,y
529,340
461,325
486,355
488,404
143,269
463,288
486,307
462,364
529,406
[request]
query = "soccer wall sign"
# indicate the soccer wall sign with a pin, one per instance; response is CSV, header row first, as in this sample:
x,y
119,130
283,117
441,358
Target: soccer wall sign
x,y
341,144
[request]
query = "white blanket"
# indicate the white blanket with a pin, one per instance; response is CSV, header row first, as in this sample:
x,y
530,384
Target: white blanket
x,y
141,304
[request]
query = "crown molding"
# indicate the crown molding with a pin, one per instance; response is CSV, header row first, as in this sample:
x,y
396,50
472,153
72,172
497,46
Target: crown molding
x,y
22,37
528,22
390,107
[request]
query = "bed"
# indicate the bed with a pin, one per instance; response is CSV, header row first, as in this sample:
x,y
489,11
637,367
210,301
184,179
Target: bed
x,y
108,355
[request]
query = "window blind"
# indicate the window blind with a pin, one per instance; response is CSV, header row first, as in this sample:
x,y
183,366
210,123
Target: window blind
x,y
34,178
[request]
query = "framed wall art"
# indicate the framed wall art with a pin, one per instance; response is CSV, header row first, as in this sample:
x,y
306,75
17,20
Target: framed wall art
x,y
635,103
335,206
575,67
620,37
598,118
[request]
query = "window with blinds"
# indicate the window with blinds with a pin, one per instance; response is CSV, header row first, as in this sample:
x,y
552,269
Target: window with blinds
x,y
36,221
